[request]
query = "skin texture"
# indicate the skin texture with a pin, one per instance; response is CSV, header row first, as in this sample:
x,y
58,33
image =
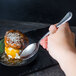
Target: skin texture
x,y
61,46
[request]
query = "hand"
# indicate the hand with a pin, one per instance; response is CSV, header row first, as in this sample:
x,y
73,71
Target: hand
x,y
61,45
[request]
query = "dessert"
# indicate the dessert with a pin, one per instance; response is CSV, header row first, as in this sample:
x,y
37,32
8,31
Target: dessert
x,y
15,42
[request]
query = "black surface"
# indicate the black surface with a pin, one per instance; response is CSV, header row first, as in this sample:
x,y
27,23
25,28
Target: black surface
x,y
45,11
43,59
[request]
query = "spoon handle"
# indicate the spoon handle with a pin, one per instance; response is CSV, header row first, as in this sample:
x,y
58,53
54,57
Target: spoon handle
x,y
66,18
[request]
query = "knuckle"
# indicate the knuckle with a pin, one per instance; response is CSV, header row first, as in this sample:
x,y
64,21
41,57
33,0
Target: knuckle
x,y
73,34
67,23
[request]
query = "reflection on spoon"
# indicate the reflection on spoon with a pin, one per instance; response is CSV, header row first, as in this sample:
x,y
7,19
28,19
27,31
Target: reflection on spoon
x,y
28,50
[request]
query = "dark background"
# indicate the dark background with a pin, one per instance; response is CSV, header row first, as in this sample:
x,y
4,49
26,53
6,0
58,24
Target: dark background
x,y
44,11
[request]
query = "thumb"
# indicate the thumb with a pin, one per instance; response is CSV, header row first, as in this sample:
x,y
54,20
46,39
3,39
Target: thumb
x,y
64,27
52,29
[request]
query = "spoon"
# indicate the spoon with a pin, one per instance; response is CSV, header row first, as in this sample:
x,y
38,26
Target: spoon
x,y
35,46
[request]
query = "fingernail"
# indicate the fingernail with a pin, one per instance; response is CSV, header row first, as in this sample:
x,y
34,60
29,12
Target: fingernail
x,y
51,25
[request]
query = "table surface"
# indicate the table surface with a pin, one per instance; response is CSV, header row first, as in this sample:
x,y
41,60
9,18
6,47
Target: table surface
x,y
50,71
54,70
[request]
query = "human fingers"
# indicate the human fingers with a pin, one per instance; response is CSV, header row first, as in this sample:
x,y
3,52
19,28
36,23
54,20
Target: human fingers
x,y
64,27
43,42
52,29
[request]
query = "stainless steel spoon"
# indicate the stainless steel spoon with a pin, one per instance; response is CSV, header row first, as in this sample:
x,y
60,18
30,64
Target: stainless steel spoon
x,y
35,46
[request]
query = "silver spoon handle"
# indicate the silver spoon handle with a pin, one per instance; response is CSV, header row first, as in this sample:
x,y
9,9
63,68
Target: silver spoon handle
x,y
66,18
